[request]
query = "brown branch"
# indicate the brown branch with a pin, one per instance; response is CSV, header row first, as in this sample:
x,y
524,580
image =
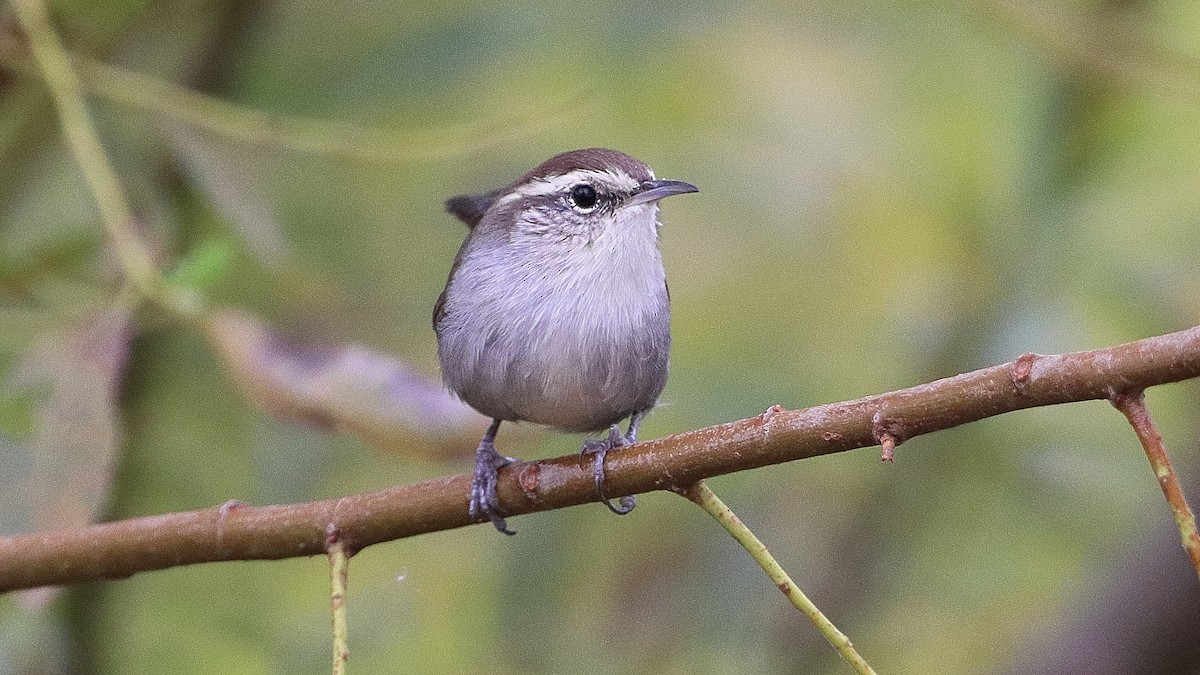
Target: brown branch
x,y
240,532
1133,406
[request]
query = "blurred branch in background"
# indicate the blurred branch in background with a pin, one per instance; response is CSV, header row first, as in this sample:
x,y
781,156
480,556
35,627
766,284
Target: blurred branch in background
x,y
67,92
238,532
336,138
376,397
327,137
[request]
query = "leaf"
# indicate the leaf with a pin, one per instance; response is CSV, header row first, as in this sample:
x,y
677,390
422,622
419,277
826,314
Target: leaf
x,y
75,375
203,265
347,387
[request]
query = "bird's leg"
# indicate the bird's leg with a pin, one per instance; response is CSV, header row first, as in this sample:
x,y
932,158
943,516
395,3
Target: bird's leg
x,y
599,449
635,423
485,504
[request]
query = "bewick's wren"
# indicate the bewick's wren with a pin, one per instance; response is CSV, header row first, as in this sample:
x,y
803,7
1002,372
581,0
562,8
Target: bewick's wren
x,y
556,310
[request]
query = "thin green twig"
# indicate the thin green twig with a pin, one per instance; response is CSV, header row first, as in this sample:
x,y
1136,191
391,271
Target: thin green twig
x,y
706,499
329,137
339,575
67,92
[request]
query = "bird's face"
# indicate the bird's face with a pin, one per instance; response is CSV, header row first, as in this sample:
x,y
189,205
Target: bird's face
x,y
587,196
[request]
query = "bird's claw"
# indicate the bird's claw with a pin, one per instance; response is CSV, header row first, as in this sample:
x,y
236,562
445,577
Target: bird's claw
x,y
598,450
485,503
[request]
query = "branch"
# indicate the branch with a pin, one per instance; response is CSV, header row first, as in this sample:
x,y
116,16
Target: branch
x,y
239,532
339,578
67,92
703,496
327,137
1133,406
335,138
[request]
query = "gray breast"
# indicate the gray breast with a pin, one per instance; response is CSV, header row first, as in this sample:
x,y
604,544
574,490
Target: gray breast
x,y
566,342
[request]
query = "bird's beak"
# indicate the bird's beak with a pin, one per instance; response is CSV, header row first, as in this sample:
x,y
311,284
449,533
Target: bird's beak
x,y
654,190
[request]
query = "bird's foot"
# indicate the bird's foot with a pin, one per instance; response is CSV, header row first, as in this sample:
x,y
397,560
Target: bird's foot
x,y
598,450
485,503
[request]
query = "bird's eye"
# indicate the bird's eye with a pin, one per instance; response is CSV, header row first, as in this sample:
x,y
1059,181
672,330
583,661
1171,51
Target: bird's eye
x,y
584,196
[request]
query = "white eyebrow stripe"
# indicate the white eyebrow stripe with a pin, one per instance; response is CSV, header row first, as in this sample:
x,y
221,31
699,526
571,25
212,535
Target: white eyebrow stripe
x,y
613,181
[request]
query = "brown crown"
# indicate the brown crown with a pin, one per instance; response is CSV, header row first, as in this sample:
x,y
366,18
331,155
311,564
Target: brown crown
x,y
597,159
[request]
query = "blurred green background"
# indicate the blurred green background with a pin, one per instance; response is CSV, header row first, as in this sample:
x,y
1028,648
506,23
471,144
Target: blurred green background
x,y
891,192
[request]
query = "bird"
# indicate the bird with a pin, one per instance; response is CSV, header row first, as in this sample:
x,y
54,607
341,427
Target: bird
x,y
556,309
